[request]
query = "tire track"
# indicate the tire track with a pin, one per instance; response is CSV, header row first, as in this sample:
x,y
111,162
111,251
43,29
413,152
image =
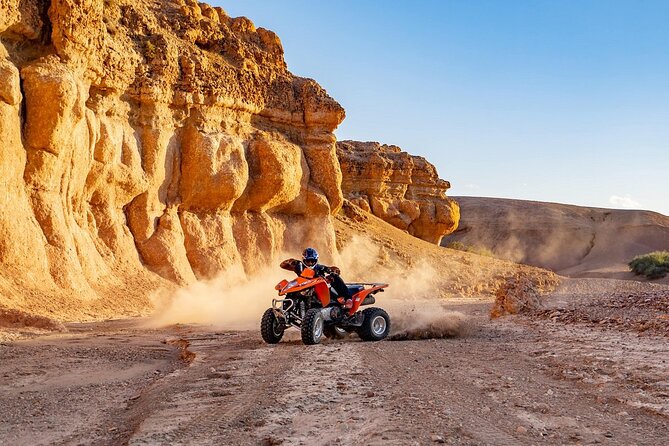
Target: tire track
x,y
326,398
214,400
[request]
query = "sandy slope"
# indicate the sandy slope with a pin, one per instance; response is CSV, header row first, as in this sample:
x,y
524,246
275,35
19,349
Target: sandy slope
x,y
393,255
571,240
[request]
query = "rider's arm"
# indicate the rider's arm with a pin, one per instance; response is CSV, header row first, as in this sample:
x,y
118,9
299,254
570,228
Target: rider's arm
x,y
322,269
334,270
290,265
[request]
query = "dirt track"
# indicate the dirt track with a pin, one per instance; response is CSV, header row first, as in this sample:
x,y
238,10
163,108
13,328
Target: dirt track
x,y
511,381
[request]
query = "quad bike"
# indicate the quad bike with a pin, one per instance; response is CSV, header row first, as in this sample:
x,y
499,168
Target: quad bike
x,y
308,305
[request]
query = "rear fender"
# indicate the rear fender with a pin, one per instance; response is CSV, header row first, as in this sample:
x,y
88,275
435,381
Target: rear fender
x,y
360,296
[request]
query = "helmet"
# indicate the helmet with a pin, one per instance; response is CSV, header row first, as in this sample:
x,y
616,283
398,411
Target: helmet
x,y
310,257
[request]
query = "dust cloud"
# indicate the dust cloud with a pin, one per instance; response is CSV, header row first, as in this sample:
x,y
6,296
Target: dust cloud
x,y
233,301
413,298
428,320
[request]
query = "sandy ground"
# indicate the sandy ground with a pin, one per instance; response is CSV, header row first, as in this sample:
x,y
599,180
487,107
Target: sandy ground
x,y
525,380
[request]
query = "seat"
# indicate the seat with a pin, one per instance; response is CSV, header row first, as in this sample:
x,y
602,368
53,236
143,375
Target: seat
x,y
354,289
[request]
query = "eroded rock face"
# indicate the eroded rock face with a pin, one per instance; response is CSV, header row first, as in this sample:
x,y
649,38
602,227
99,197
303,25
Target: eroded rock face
x,y
400,188
163,135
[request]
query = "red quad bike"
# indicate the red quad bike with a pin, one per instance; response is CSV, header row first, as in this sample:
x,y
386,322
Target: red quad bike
x,y
308,305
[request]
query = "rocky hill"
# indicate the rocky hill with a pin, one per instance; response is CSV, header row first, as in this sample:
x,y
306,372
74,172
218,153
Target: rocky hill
x,y
571,240
402,189
143,135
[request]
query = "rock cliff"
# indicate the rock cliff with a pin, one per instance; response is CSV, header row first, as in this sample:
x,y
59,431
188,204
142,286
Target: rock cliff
x,y
140,135
402,189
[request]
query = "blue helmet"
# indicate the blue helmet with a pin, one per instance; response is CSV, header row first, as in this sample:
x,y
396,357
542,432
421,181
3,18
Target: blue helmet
x,y
310,257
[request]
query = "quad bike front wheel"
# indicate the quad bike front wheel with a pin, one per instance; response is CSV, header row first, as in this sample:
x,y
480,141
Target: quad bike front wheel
x,y
375,326
271,328
313,327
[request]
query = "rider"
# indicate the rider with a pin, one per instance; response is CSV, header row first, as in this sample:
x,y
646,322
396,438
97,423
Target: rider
x,y
310,260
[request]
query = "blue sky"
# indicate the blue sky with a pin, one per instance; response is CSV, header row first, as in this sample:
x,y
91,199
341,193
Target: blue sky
x,y
564,101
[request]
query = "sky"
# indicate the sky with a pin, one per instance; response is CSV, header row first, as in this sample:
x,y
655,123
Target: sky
x,y
561,101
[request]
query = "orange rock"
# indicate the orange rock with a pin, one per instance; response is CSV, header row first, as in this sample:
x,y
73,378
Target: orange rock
x,y
400,188
161,142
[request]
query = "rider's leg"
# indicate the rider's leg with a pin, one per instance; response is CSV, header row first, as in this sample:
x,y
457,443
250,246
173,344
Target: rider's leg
x,y
340,287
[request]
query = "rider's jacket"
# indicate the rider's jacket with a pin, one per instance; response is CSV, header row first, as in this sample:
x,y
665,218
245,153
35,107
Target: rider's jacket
x,y
298,267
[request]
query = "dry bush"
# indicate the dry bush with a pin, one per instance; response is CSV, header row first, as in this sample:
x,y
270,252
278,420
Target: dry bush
x,y
518,295
654,265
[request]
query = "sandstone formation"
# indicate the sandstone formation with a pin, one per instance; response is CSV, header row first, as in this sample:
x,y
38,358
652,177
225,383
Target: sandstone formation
x,y
571,240
141,135
400,188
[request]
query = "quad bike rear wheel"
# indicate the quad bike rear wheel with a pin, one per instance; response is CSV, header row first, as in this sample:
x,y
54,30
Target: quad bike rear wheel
x,y
375,326
313,327
271,328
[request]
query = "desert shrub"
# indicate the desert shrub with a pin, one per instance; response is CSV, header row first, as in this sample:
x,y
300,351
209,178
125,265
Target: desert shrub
x,y
470,248
457,245
654,265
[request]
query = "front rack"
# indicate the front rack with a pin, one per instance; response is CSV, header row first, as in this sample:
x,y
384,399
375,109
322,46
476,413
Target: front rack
x,y
277,304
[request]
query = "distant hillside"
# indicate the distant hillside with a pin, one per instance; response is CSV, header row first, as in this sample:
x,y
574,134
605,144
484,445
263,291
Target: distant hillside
x,y
570,240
